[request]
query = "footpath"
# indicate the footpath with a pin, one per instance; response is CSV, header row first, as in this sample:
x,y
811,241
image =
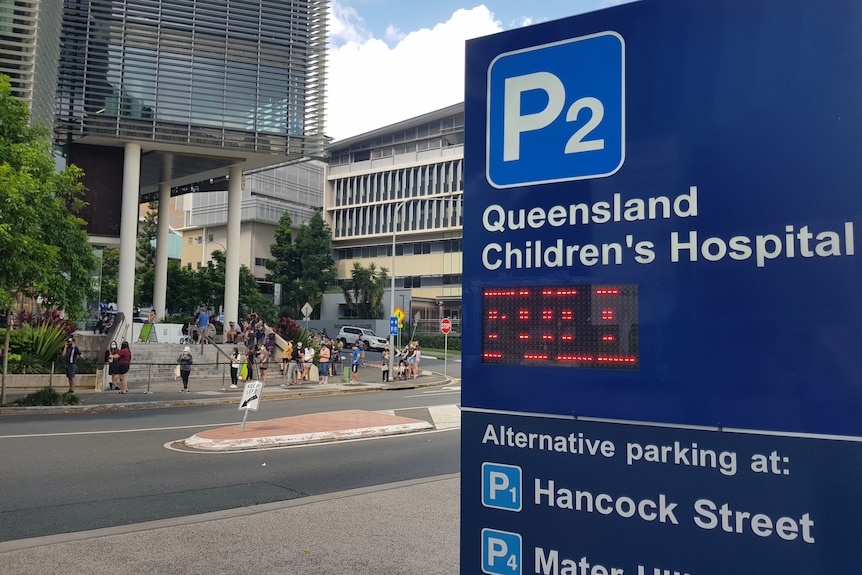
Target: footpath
x,y
394,529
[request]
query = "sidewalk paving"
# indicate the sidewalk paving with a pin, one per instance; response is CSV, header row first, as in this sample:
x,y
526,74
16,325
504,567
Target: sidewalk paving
x,y
404,528
215,390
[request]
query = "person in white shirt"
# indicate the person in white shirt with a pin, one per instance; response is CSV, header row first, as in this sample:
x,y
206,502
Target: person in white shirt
x,y
307,360
235,364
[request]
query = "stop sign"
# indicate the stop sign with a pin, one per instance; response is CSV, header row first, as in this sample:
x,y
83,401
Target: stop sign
x,y
445,325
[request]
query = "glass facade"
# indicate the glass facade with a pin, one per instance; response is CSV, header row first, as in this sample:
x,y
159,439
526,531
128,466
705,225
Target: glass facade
x,y
210,73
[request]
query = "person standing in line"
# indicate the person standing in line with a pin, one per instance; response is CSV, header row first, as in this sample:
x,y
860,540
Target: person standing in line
x,y
70,354
262,361
361,343
294,370
407,357
417,357
325,356
122,359
307,361
285,357
356,361
112,367
235,364
250,354
185,361
385,365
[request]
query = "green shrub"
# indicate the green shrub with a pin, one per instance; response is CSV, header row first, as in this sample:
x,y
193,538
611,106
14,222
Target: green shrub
x,y
438,342
87,364
28,363
48,396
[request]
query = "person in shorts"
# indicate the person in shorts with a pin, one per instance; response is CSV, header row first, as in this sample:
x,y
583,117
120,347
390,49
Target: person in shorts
x,y
356,361
325,357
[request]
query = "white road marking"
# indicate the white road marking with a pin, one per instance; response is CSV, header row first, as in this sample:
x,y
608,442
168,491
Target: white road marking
x,y
110,432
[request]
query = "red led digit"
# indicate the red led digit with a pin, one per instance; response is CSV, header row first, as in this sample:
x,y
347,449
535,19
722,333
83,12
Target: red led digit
x,y
577,326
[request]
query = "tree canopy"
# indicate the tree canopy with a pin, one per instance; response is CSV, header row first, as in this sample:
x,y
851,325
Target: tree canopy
x,y
43,244
303,264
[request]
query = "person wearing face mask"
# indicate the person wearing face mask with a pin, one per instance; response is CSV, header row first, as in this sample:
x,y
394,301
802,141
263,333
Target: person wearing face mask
x,y
112,366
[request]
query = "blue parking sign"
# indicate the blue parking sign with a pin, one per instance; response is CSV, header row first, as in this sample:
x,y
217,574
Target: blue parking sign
x,y
501,552
556,112
501,486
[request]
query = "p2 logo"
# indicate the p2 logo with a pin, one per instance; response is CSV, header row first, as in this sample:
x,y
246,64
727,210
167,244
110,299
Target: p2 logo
x,y
556,112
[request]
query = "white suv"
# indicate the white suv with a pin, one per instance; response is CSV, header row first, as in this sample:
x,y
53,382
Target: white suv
x,y
349,334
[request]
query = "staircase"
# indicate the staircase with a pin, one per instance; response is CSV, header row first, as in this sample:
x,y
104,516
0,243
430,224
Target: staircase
x,y
158,360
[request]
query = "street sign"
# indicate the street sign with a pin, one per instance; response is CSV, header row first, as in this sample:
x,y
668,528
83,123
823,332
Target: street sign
x,y
251,395
399,313
393,325
445,325
306,311
670,265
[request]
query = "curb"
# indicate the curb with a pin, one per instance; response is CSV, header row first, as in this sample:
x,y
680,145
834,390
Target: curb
x,y
228,399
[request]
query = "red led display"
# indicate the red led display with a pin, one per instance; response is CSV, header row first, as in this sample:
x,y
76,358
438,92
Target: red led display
x,y
567,326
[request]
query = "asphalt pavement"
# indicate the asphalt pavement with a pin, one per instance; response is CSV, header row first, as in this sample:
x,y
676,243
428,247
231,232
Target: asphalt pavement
x,y
403,528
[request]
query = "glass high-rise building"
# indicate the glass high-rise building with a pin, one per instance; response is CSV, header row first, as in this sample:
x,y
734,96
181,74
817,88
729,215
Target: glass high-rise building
x,y
152,96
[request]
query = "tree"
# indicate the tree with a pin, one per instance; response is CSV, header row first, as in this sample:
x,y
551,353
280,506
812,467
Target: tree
x,y
43,245
110,274
365,290
147,232
302,265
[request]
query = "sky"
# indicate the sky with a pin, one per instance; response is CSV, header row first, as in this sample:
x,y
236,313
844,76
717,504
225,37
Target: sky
x,y
390,60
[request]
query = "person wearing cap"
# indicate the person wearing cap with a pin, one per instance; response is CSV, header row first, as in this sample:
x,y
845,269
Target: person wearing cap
x,y
70,354
185,361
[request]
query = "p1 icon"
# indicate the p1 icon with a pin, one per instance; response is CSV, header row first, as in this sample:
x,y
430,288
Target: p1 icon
x,y
556,112
501,552
501,486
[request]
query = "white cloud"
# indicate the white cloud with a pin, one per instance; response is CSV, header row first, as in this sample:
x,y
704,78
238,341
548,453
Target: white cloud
x,y
371,85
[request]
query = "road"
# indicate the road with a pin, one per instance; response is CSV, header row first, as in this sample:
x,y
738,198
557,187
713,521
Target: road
x,y
79,471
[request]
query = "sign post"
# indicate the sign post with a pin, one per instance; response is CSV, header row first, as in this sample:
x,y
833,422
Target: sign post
x,y
660,292
445,327
306,313
250,401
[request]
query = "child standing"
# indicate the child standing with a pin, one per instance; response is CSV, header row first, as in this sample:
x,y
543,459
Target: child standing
x,y
385,365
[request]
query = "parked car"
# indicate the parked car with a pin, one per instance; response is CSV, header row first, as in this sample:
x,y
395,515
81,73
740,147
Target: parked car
x,y
349,334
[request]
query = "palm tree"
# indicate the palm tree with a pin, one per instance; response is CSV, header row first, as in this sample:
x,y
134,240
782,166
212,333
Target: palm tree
x,y
364,293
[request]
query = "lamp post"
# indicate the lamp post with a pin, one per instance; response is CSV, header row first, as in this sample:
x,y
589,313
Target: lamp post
x,y
392,286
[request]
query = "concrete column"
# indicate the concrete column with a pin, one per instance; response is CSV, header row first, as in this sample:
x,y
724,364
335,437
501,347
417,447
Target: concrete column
x,y
129,232
234,220
160,283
